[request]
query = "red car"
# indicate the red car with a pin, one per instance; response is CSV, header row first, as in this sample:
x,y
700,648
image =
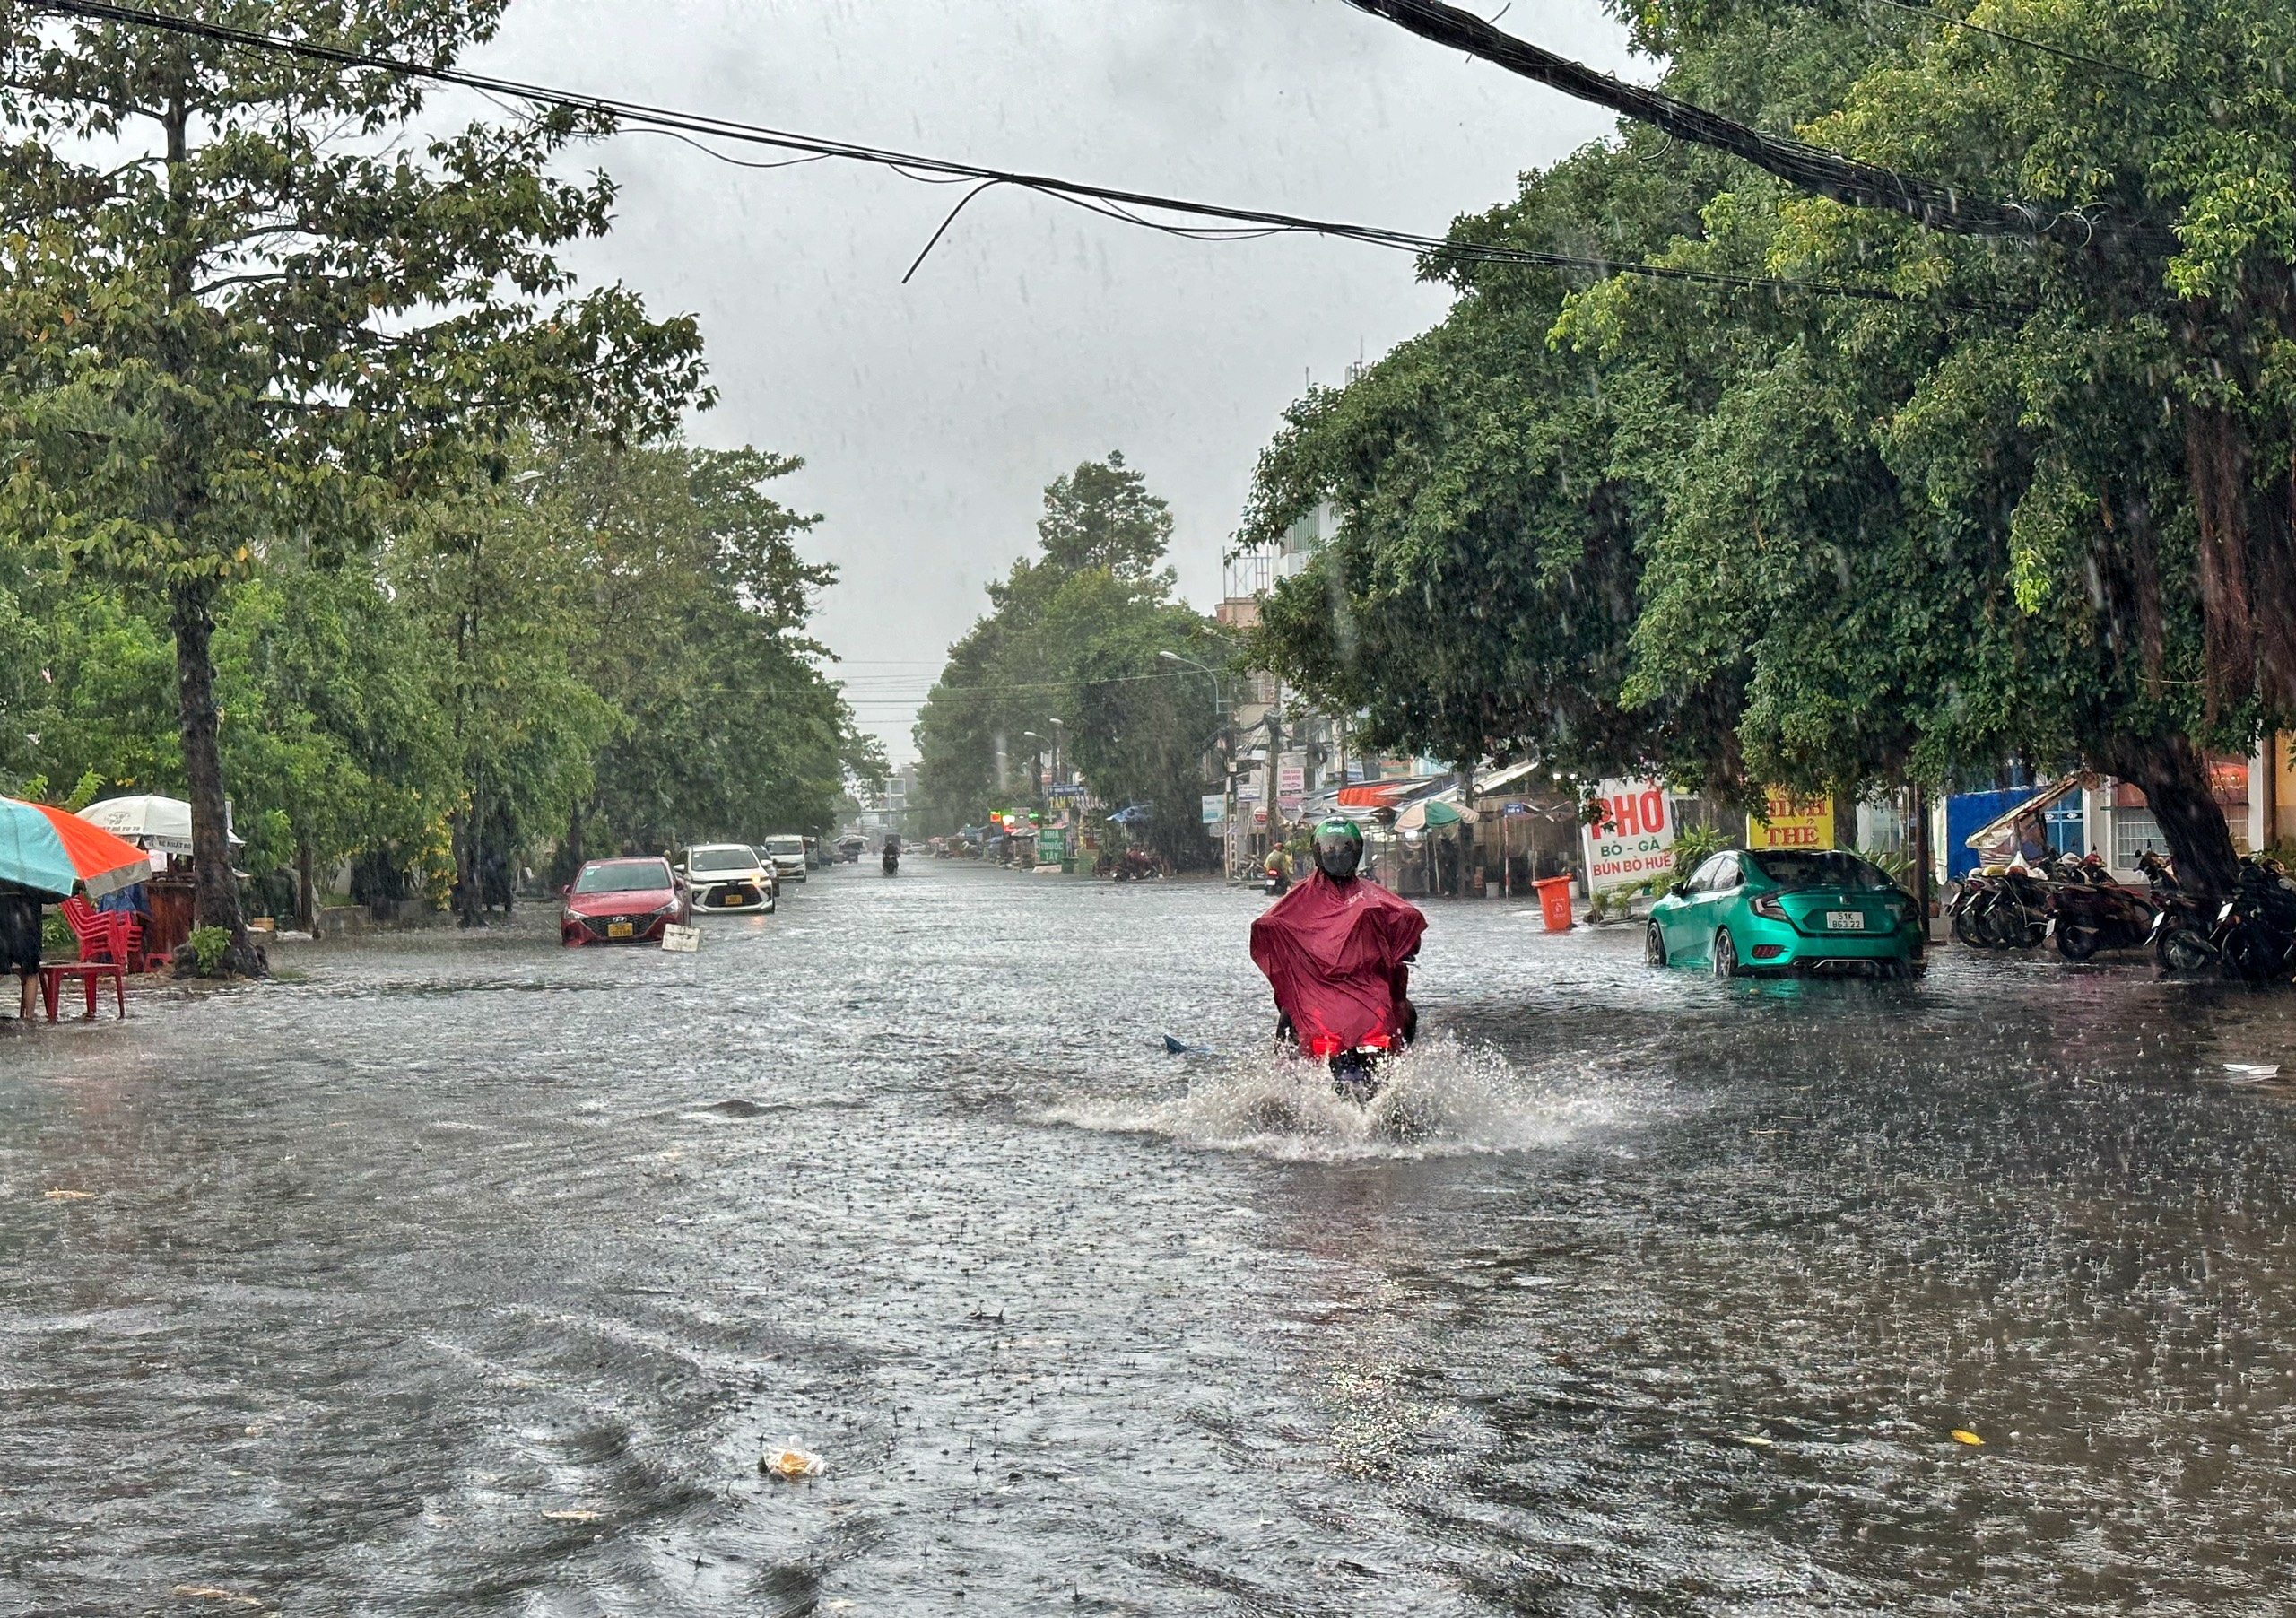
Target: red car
x,y
623,901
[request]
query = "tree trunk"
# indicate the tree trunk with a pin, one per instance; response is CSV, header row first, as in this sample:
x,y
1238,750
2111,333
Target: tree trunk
x,y
2217,462
2173,775
2272,549
216,897
307,893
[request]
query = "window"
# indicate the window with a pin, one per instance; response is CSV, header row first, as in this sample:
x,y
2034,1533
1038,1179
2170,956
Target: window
x,y
2134,830
1718,875
729,856
1820,868
625,877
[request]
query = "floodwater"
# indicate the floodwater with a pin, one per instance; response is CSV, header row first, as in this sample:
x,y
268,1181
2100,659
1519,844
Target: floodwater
x,y
464,1275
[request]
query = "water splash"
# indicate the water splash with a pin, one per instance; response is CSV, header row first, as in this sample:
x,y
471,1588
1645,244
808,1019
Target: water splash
x,y
1442,1098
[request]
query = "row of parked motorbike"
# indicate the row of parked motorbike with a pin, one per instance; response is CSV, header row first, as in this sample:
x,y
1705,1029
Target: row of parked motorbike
x,y
2076,903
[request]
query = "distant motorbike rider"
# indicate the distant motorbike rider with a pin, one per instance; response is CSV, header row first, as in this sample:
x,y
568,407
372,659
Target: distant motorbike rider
x,y
1279,871
891,859
1336,951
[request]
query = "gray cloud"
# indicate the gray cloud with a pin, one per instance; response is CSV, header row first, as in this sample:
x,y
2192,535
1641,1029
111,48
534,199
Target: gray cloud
x,y
932,415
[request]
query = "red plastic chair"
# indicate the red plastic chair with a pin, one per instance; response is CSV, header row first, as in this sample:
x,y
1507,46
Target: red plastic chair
x,y
112,938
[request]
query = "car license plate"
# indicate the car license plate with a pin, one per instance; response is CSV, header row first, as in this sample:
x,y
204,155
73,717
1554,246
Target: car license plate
x,y
737,899
1845,921
620,929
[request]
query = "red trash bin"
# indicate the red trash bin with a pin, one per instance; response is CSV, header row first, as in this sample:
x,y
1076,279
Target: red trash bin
x,y
1555,900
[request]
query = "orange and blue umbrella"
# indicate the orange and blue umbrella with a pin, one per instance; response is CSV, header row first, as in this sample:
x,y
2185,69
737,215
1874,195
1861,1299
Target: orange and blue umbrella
x,y
49,850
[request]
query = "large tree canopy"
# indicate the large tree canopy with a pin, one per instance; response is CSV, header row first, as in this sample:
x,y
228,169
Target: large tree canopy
x,y
1892,500
246,305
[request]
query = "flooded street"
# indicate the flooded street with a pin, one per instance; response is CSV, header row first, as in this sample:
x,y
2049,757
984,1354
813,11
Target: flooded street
x,y
460,1274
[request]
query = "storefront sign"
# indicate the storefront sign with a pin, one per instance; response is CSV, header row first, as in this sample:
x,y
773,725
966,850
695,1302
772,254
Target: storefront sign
x,y
1634,840
1795,822
1052,845
1216,809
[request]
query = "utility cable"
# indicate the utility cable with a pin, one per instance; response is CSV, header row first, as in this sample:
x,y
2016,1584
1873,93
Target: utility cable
x,y
1232,223
1937,14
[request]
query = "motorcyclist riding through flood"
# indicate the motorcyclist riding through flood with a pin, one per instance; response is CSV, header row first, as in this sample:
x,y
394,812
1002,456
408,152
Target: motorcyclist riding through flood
x,y
1337,950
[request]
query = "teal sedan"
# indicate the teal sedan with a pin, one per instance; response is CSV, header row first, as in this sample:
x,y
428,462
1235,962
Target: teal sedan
x,y
1783,911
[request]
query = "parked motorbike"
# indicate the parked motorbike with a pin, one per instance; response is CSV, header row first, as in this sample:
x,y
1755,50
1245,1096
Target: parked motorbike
x,y
2256,930
2094,912
2184,933
2001,910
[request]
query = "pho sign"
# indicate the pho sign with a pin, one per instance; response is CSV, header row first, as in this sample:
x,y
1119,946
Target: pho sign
x,y
1795,822
1634,840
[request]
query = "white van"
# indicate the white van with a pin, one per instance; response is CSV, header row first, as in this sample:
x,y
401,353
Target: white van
x,y
788,855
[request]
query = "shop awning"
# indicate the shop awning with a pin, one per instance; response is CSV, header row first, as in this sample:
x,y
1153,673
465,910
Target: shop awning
x,y
1434,812
2002,828
1499,780
1375,795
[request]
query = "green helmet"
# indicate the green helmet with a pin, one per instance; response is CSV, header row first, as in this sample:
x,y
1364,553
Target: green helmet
x,y
1339,849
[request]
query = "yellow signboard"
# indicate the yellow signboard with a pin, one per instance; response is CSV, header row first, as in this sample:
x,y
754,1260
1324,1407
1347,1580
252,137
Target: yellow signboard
x,y
1795,822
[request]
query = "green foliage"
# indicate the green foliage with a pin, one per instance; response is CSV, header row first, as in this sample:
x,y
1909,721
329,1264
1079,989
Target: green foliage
x,y
2026,503
1693,849
1073,649
211,948
1897,864
250,305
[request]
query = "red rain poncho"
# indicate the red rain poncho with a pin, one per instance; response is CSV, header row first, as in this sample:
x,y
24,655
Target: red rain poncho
x,y
1334,954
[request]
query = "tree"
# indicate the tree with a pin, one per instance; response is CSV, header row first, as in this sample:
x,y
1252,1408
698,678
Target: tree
x,y
697,603
246,306
1904,499
1074,637
2135,352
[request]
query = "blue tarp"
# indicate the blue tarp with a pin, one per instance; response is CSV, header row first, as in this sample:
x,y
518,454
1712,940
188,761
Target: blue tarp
x,y
1965,814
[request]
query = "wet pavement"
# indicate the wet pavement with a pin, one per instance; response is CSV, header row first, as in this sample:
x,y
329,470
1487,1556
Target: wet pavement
x,y
464,1275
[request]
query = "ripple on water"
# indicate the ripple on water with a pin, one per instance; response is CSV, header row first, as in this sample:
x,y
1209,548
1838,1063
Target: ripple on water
x,y
1442,1098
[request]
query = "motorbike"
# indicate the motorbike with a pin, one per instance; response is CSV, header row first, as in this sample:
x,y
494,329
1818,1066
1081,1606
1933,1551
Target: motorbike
x,y
2001,910
1137,865
1355,1074
2094,912
2256,930
891,863
1276,882
2184,933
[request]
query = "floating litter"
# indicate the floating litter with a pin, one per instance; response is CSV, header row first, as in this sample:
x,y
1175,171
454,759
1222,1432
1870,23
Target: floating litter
x,y
83,1195
1755,1439
570,1517
1963,1435
1538,1280
2254,1070
789,1461
208,1592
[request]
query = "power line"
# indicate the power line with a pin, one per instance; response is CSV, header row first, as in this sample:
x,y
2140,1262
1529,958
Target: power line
x,y
1937,14
1233,224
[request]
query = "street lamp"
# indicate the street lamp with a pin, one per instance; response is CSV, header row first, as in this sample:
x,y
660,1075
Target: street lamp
x,y
1228,807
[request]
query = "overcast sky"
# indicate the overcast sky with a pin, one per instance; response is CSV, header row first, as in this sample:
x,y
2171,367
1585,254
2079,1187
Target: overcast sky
x,y
931,416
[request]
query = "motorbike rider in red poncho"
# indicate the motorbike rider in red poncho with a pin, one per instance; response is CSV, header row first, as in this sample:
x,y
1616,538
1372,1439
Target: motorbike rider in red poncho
x,y
1336,951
